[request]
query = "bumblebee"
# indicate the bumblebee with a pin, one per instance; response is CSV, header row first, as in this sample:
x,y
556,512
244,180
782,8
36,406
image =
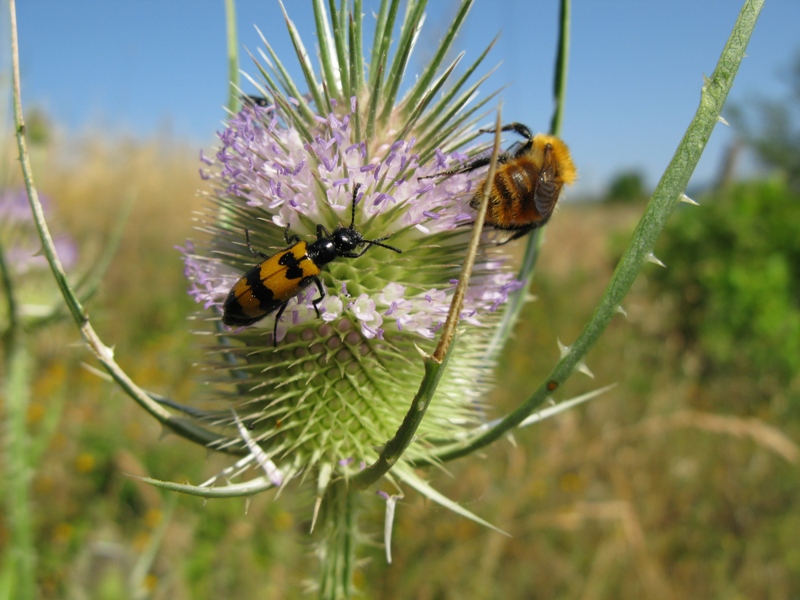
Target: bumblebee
x,y
278,278
527,183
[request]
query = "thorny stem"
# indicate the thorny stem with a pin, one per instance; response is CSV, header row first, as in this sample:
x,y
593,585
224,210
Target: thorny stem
x,y
436,363
667,196
103,353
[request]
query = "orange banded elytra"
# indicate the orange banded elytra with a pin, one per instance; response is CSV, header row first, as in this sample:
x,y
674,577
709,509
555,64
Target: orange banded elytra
x,y
278,278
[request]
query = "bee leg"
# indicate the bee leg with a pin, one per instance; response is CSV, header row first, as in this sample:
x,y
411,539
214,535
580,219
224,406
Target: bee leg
x,y
275,328
468,166
482,161
515,127
519,148
520,129
250,247
518,233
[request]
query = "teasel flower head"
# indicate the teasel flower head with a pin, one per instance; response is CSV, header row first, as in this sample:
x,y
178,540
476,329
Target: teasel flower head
x,y
324,398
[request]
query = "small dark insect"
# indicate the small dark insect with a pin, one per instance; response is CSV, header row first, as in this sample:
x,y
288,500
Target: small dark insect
x,y
278,278
250,100
527,183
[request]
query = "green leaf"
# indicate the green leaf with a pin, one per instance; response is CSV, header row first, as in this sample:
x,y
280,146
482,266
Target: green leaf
x,y
382,41
232,490
328,60
419,89
407,476
408,36
411,118
286,82
323,106
456,134
374,97
357,71
356,50
557,409
437,115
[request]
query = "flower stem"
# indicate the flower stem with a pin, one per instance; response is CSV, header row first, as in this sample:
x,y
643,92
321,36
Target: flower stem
x,y
12,308
437,362
18,567
562,62
535,240
337,551
103,352
21,558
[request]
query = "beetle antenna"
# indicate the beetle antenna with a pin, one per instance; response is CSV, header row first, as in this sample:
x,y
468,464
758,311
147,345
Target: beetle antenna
x,y
353,209
387,246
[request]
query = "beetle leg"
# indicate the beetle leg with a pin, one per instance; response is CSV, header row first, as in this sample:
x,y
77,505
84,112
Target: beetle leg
x,y
290,241
321,295
275,328
250,247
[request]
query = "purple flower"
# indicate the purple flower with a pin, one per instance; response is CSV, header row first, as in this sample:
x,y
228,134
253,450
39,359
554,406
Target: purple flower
x,y
267,177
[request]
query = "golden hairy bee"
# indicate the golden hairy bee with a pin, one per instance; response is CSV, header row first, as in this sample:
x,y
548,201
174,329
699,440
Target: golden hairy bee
x,y
527,183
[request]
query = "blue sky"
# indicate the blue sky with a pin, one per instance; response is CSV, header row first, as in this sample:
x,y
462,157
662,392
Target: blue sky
x,y
636,67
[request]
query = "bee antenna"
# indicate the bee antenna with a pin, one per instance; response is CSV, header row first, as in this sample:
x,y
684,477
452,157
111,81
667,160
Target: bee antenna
x,y
353,209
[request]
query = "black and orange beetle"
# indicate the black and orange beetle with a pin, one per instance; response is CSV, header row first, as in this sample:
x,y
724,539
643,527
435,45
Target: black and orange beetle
x,y
278,278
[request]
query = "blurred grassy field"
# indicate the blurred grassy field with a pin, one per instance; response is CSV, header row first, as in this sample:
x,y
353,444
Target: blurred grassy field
x,y
655,490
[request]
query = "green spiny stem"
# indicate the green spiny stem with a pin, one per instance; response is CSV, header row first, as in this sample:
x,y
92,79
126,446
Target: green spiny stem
x,y
562,62
394,448
12,308
666,197
103,353
89,283
436,364
21,557
337,550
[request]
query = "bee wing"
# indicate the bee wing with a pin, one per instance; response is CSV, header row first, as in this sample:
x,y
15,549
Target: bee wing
x,y
516,149
546,194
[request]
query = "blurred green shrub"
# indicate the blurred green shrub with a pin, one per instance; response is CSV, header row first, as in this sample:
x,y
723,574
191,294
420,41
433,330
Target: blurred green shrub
x,y
733,275
627,186
770,126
